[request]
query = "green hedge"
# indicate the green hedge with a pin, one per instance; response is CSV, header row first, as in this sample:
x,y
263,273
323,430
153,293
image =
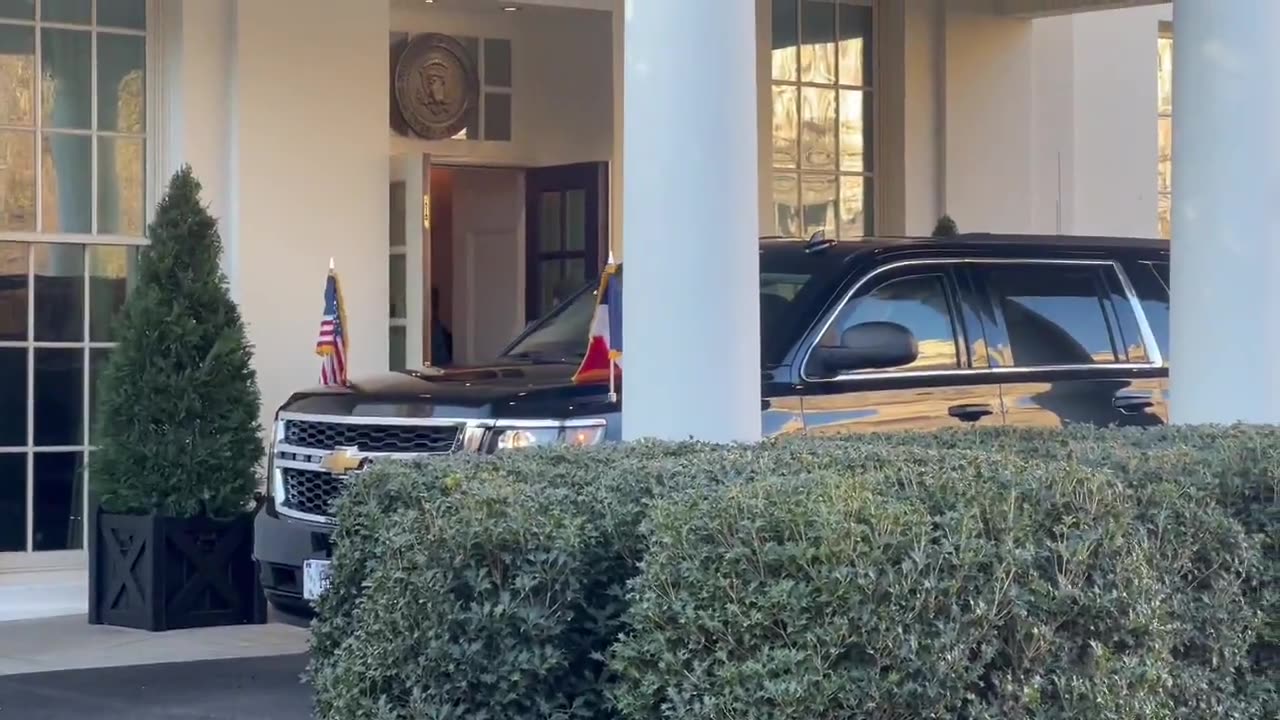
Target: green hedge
x,y
1081,573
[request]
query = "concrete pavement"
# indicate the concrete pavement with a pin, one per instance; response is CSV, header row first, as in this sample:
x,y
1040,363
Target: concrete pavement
x,y
70,642
234,689
61,668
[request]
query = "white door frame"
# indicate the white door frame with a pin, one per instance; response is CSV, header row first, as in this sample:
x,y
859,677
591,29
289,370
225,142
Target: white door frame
x,y
414,170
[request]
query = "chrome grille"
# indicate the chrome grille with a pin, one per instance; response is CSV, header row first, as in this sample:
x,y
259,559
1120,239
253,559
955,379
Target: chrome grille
x,y
372,438
304,488
312,491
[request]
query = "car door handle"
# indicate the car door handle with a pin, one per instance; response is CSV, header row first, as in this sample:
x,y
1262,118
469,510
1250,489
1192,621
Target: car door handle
x,y
1132,403
970,413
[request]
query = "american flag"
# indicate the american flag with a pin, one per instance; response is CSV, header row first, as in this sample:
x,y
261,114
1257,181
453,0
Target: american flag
x,y
332,343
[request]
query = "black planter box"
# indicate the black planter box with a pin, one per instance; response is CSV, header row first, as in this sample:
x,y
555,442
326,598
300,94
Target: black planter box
x,y
162,573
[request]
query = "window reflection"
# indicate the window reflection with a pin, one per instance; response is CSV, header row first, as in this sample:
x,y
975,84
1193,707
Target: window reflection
x,y
855,44
786,203
1164,161
786,126
919,304
13,291
786,40
1053,315
822,109
818,128
818,41
818,193
853,130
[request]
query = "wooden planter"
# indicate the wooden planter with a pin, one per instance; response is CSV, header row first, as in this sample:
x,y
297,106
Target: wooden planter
x,y
162,573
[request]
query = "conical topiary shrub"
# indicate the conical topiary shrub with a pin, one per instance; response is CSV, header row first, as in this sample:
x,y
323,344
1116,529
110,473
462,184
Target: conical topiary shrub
x,y
178,429
178,439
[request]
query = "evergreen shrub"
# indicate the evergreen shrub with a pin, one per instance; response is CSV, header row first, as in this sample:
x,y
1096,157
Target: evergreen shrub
x,y
178,431
991,574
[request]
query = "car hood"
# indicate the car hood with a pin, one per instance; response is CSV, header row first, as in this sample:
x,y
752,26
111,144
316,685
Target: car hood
x,y
498,390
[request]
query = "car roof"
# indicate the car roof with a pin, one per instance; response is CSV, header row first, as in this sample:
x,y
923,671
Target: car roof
x,y
1031,243
970,240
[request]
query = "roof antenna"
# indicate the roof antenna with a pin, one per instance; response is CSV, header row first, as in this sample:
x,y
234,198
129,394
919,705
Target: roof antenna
x,y
818,242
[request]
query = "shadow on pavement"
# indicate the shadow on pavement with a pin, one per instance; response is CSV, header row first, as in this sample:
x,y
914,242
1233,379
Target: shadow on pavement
x,y
261,687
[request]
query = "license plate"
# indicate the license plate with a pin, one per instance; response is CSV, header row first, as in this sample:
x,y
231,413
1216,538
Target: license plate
x,y
315,578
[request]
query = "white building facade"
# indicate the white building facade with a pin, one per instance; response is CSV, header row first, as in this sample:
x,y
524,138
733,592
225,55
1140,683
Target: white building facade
x,y
670,133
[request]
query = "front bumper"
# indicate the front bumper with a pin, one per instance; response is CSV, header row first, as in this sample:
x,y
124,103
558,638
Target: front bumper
x,y
280,545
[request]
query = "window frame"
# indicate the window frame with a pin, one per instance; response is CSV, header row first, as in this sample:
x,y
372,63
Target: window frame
x,y
945,267
963,280
871,121
153,130
1124,286
1165,35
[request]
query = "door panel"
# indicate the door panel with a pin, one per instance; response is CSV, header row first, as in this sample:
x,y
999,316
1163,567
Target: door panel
x,y
1065,348
567,232
852,409
487,261
409,246
941,388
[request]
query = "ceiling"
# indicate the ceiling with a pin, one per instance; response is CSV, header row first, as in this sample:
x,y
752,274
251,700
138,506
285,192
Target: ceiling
x,y
497,6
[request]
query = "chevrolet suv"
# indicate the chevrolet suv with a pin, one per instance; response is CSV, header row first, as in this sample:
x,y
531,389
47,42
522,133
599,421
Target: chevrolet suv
x,y
881,334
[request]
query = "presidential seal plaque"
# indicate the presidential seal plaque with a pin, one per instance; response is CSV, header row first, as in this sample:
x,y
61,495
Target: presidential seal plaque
x,y
436,86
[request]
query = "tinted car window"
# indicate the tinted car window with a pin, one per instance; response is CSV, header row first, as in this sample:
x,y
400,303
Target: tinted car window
x,y
794,287
1054,314
1129,341
1150,283
918,303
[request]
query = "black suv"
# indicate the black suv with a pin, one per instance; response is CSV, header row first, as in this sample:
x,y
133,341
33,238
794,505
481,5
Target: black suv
x,y
881,334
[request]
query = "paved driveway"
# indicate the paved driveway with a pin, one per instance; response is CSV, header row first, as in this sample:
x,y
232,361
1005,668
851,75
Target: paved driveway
x,y
260,687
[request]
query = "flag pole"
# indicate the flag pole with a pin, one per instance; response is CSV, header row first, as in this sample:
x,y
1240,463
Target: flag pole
x,y
613,392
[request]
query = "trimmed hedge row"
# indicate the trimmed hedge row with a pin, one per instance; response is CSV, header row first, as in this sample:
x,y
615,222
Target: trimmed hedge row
x,y
990,574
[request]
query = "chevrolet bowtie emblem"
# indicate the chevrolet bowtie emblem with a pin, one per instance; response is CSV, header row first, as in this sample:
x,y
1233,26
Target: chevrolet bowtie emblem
x,y
342,461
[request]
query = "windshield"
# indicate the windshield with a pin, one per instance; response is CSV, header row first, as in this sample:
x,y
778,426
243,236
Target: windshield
x,y
793,286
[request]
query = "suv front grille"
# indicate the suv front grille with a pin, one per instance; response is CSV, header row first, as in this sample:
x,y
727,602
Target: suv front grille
x,y
325,436
312,491
304,487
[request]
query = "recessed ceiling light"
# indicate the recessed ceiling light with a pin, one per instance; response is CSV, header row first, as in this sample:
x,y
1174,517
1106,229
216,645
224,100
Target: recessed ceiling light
x,y
510,8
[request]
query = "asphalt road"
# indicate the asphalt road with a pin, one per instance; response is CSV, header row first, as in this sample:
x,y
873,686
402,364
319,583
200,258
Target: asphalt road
x,y
208,690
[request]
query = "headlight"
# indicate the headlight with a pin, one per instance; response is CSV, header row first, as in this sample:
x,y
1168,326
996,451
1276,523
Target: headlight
x,y
574,433
277,434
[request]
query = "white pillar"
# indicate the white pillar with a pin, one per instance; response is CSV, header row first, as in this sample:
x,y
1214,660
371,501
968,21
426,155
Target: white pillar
x,y
692,328
1226,232
197,105
281,109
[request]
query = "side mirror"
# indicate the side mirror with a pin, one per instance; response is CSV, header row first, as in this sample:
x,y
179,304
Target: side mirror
x,y
868,346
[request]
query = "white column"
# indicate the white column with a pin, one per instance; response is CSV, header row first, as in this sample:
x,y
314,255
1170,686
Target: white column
x,y
1226,231
280,106
692,327
197,103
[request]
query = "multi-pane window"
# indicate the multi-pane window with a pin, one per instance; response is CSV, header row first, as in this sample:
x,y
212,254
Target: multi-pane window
x,y
822,110
73,203
58,302
1164,165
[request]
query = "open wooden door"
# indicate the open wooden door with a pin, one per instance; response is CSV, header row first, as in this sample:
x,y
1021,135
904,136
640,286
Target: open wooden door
x,y
567,233
410,256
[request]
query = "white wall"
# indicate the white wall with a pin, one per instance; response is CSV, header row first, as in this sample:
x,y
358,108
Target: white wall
x,y
1115,120
989,116
1019,125
290,141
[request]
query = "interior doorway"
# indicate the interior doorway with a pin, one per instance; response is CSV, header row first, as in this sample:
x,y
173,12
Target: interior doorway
x,y
478,252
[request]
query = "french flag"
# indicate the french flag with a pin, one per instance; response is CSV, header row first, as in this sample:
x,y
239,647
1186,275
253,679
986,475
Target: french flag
x,y
603,360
